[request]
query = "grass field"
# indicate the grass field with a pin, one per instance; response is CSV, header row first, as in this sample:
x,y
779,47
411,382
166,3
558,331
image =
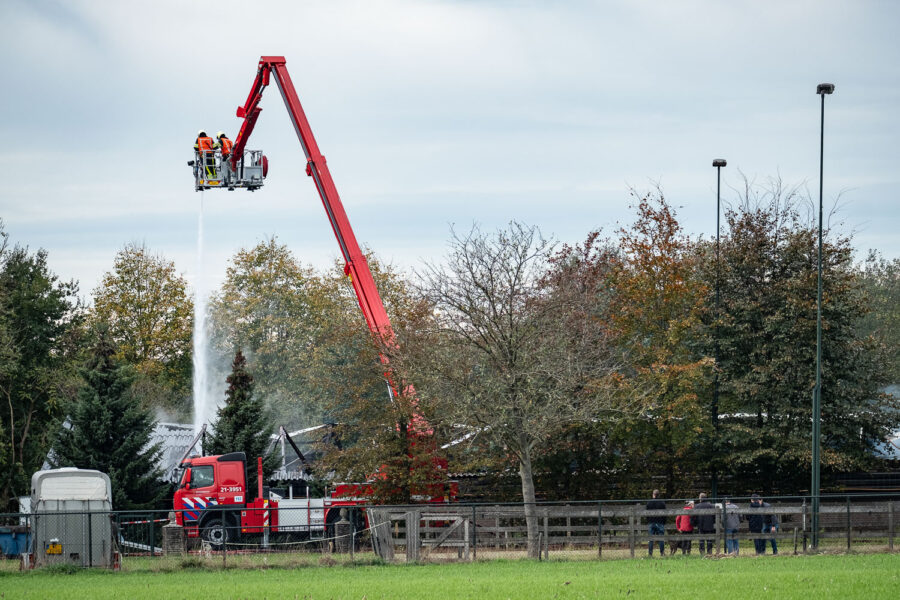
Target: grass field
x,y
839,576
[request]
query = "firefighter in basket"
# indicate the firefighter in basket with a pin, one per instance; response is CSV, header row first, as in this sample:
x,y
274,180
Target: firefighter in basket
x,y
206,147
226,145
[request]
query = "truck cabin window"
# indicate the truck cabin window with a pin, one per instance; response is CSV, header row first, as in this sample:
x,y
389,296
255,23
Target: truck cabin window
x,y
201,477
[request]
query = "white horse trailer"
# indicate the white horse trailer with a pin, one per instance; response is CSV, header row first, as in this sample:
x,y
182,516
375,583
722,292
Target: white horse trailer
x,y
71,512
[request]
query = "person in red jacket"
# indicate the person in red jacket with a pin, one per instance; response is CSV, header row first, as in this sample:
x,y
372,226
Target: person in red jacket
x,y
684,527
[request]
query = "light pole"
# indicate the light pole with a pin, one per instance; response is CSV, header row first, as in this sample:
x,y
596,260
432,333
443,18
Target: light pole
x,y
822,89
718,163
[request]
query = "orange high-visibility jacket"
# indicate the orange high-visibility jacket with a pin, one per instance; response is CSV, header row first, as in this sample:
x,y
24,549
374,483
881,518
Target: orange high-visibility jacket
x,y
226,146
205,144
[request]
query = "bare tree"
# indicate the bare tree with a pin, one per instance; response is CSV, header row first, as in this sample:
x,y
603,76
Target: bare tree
x,y
508,352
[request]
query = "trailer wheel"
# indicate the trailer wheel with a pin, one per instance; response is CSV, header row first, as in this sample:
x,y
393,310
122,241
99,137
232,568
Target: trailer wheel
x,y
215,533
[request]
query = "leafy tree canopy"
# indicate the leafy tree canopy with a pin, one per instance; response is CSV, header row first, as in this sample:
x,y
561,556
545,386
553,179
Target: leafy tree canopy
x,y
144,304
266,309
767,335
108,430
39,333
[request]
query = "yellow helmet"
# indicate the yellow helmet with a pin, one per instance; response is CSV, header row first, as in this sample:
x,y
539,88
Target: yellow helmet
x,y
221,134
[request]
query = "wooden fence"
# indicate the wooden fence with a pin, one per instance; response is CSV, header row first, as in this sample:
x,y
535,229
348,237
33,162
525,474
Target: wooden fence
x,y
424,533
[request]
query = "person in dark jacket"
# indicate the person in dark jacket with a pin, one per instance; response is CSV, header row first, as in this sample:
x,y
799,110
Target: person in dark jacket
x,y
759,522
704,523
771,526
656,525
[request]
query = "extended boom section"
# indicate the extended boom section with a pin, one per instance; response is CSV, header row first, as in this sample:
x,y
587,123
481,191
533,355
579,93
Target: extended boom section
x,y
356,266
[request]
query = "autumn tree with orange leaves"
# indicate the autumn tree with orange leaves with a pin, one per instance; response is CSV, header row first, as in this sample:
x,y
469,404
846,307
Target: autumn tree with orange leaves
x,y
657,312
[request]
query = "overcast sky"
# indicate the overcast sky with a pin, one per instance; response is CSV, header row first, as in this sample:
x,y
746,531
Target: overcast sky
x,y
432,114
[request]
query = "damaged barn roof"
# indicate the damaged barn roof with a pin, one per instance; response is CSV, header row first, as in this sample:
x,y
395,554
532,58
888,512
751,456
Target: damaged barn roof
x,y
175,440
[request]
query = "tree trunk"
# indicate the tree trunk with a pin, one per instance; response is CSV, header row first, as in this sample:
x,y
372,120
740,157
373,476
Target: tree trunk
x,y
531,518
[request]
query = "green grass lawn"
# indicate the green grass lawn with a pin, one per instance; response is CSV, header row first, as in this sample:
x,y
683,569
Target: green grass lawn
x,y
832,576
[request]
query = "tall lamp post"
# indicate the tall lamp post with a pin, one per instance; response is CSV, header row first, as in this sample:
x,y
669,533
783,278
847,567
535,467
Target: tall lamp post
x,y
822,89
718,163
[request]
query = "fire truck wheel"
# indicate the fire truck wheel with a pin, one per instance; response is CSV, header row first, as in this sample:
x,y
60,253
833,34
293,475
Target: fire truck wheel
x,y
215,533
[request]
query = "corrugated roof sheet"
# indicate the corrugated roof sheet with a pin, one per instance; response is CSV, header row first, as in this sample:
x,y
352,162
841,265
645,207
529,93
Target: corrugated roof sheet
x,y
173,440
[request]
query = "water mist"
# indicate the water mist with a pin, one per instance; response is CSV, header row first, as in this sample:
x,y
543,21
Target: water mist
x,y
201,338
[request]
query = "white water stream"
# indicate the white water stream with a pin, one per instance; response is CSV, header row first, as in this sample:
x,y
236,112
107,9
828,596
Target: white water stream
x,y
201,339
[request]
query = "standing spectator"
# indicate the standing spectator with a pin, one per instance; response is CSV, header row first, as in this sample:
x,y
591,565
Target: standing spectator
x,y
684,527
656,524
771,527
757,524
732,522
704,524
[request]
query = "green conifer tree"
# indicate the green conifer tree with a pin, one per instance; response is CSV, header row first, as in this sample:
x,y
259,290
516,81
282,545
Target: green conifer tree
x,y
241,424
108,430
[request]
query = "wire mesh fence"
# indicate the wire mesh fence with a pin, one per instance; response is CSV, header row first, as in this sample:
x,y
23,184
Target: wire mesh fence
x,y
577,531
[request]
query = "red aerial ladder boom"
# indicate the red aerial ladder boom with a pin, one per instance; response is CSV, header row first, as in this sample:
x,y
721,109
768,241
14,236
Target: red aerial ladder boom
x,y
356,266
248,171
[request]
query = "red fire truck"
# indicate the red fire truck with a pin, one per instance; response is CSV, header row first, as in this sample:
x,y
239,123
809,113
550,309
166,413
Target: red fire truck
x,y
212,502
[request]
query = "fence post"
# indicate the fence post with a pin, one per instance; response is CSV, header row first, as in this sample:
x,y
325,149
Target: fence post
x,y
117,532
720,529
803,522
600,529
474,534
408,528
891,525
83,533
152,534
849,530
412,535
90,537
224,538
632,533
466,551
546,534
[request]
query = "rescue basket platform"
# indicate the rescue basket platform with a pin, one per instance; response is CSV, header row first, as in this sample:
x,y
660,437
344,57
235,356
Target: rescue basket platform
x,y
212,171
